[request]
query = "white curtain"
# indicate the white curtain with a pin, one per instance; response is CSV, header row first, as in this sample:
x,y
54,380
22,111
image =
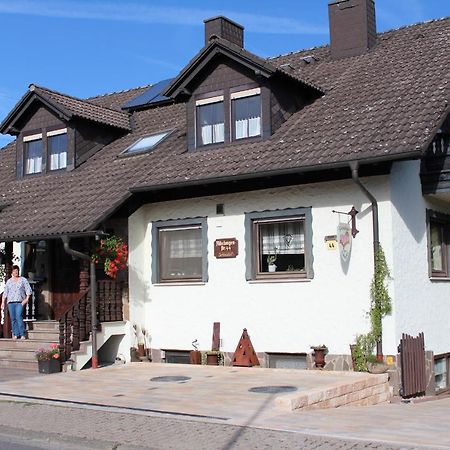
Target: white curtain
x,y
254,126
34,164
241,129
282,238
185,244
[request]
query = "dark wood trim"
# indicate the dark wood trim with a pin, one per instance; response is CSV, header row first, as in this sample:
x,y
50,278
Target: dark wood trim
x,y
443,221
206,95
196,66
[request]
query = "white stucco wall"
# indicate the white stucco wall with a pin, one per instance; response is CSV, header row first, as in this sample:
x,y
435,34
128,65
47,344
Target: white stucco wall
x,y
422,305
279,316
17,252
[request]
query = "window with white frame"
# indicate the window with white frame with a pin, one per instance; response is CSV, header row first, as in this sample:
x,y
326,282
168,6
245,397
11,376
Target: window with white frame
x,y
210,119
246,112
33,151
441,372
279,244
179,251
57,149
146,143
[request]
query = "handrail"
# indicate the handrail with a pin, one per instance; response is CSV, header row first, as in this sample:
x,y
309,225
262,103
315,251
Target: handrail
x,y
77,299
75,324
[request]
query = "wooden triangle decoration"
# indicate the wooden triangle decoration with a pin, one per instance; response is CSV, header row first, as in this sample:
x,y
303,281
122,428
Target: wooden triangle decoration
x,y
245,355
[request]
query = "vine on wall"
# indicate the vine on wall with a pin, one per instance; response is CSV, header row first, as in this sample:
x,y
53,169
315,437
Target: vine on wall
x,y
380,307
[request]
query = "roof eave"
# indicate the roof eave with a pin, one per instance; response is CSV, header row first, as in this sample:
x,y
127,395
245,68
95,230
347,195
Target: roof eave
x,y
413,154
205,55
6,127
47,237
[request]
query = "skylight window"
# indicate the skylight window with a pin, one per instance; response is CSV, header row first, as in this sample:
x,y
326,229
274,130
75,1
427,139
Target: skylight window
x,y
146,143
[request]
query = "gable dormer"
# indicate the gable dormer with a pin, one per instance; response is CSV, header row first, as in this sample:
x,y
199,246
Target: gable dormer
x,y
233,95
55,132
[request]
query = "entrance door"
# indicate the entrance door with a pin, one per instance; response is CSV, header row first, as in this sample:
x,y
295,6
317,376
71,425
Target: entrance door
x,y
65,277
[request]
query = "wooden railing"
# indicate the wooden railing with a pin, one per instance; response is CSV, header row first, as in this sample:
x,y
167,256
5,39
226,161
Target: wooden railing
x,y
6,323
75,323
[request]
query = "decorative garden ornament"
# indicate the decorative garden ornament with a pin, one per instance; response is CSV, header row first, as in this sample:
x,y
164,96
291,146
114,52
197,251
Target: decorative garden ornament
x,y
344,238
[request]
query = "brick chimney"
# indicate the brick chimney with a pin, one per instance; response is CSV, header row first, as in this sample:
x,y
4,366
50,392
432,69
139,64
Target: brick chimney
x,y
352,27
224,28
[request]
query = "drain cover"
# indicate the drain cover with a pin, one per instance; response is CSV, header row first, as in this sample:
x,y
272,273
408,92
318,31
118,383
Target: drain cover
x,y
170,379
272,389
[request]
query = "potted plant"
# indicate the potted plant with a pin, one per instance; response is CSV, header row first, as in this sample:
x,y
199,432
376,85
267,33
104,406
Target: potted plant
x,y
376,366
271,267
319,355
213,358
49,359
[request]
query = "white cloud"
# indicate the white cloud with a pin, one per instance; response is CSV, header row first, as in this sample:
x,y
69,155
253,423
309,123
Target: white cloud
x,y
135,12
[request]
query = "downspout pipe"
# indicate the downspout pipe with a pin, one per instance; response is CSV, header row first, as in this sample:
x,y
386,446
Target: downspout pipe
x,y
79,255
354,166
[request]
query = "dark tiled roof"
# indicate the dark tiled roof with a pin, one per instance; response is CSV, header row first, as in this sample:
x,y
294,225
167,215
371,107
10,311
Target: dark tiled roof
x,y
386,103
234,50
70,107
86,109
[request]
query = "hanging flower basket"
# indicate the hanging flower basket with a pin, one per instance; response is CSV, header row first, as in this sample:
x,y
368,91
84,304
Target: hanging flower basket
x,y
112,254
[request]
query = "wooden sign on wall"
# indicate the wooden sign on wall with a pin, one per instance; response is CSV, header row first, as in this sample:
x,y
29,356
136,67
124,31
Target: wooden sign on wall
x,y
226,248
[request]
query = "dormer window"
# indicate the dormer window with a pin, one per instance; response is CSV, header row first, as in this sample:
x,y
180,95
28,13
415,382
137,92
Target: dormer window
x,y
234,114
57,149
246,113
210,120
33,153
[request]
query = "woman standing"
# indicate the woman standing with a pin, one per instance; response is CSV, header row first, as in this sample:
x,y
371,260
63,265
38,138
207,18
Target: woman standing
x,y
17,293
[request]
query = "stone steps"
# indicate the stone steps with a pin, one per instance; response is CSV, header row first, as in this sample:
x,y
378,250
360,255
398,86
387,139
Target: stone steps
x,y
20,353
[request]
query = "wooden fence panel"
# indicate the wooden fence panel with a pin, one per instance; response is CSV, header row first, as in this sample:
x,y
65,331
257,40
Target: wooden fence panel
x,y
412,360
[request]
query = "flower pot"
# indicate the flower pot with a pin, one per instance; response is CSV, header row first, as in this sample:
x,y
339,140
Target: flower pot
x,y
134,355
195,357
141,351
49,365
272,268
378,367
319,357
212,360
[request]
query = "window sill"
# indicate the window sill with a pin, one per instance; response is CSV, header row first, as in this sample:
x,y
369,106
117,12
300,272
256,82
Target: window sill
x,y
447,279
280,280
180,283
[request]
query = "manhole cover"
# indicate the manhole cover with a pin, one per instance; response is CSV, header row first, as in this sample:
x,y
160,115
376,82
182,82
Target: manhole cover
x,y
170,379
272,389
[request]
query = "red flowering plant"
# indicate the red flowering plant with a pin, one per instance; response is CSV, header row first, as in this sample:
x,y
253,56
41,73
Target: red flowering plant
x,y
112,253
45,354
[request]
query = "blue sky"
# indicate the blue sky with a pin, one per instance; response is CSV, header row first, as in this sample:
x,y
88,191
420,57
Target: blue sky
x,y
90,47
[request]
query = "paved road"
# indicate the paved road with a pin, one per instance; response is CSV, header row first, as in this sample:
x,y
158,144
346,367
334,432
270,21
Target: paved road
x,y
49,426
